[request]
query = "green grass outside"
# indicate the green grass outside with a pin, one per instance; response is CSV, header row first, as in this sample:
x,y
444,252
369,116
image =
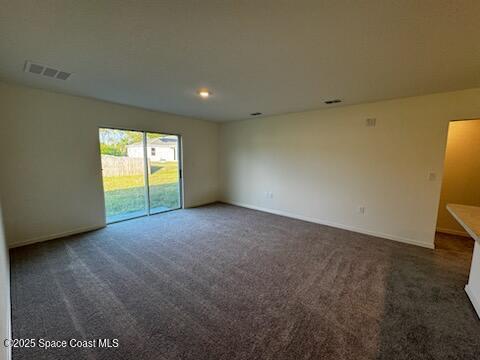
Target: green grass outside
x,y
161,173
125,194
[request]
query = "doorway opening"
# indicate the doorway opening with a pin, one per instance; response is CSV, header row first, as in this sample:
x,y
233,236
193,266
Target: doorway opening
x,y
141,171
460,183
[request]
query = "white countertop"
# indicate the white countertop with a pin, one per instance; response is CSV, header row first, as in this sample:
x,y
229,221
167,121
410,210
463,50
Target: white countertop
x,y
468,217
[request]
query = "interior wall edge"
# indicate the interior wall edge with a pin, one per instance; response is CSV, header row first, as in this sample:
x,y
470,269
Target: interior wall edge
x,y
200,204
48,237
461,175
329,165
452,232
474,300
428,245
5,299
51,139
104,101
43,238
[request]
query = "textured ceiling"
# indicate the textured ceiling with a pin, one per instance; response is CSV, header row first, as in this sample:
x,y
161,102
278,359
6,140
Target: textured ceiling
x,y
269,56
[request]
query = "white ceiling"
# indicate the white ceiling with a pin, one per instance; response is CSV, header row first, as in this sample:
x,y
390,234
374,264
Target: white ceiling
x,y
270,56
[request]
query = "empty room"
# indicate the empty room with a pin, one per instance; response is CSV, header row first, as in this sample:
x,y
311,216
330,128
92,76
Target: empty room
x,y
217,179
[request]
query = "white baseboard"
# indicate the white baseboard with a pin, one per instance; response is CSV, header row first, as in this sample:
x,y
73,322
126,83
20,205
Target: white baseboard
x,y
332,224
55,236
453,232
9,322
474,299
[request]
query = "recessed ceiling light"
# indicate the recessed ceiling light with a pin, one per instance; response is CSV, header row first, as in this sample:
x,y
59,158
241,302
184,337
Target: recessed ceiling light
x,y
204,93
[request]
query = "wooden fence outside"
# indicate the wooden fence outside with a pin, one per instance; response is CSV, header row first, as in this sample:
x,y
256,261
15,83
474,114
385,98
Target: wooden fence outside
x,y
122,165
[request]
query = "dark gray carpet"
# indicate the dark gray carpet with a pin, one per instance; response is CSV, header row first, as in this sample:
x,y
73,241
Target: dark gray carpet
x,y
223,282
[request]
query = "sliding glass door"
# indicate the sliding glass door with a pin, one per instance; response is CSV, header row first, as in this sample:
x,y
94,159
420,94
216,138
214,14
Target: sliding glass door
x,y
123,170
163,172
141,173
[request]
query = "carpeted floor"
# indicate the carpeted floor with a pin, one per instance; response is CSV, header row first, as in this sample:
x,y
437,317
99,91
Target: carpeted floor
x,y
223,282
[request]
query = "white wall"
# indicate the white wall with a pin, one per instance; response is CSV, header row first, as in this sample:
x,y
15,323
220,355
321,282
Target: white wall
x,y
135,151
161,153
461,176
5,327
473,287
50,178
322,165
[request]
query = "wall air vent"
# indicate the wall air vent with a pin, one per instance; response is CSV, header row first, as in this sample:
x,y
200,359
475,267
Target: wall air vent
x,y
334,101
46,70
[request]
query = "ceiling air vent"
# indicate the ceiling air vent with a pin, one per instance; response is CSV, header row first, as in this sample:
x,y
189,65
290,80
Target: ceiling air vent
x,y
334,101
46,70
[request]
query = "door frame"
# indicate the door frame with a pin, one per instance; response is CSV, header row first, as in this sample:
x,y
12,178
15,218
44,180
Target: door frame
x,y
441,178
147,185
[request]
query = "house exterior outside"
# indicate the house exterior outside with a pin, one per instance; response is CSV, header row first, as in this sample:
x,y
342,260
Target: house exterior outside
x,y
159,149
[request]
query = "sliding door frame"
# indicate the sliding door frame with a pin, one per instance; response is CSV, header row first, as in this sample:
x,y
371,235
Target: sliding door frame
x,y
146,175
180,171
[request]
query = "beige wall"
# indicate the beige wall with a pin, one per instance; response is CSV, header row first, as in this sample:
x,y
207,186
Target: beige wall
x,y
322,165
461,178
50,179
319,165
4,293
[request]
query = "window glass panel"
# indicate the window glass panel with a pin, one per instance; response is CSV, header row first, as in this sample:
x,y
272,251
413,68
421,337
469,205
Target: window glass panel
x,y
163,172
123,170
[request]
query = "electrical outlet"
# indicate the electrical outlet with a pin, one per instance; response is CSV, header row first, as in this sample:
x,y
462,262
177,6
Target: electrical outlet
x,y
361,210
371,122
269,195
432,176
